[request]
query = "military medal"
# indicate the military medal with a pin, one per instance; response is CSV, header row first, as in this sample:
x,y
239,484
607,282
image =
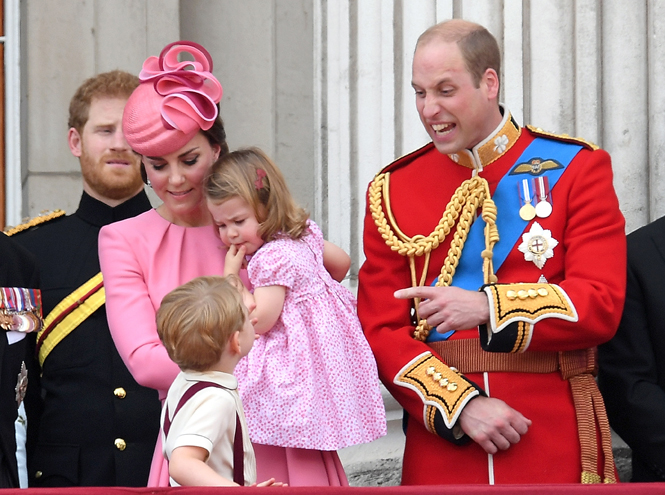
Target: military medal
x,y
21,384
20,309
527,211
544,206
538,245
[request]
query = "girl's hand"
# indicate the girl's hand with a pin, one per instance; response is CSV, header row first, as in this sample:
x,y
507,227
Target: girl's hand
x,y
235,260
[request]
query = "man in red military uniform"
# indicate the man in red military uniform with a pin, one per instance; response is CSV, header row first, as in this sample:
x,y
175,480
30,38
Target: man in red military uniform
x,y
509,241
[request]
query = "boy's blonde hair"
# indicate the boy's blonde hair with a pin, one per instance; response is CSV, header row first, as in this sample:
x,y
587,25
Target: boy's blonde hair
x,y
196,320
250,174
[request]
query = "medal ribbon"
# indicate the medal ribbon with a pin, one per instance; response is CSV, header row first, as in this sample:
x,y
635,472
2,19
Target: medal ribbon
x,y
542,187
526,192
20,309
469,273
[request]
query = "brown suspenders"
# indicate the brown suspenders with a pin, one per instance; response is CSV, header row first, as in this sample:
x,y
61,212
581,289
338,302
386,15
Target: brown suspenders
x,y
238,454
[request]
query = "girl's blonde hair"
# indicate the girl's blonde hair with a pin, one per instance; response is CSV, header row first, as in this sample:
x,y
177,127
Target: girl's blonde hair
x,y
196,320
251,175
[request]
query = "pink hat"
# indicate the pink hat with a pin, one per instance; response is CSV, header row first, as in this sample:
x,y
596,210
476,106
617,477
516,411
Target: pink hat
x,y
173,102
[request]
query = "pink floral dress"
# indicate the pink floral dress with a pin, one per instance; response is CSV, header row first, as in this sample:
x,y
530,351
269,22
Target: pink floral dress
x,y
311,381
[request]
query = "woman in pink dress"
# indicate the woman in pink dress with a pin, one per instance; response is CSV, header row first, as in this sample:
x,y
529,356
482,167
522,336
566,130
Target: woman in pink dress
x,y
310,385
172,120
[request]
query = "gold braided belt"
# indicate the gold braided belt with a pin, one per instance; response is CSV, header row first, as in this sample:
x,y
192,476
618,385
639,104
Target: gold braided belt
x,y
471,195
578,367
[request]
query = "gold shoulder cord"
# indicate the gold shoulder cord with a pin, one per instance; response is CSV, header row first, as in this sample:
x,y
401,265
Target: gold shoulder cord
x,y
42,218
470,195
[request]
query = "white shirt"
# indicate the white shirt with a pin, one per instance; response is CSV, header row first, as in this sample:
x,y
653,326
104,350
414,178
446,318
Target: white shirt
x,y
208,420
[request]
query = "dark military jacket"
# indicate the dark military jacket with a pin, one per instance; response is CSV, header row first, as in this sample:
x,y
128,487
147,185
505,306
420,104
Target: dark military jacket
x,y
632,364
17,269
98,426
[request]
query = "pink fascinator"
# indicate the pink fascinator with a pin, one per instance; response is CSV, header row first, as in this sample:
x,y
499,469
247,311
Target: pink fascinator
x,y
174,101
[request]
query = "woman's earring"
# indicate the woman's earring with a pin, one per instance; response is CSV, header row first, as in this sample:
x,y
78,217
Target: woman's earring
x,y
149,183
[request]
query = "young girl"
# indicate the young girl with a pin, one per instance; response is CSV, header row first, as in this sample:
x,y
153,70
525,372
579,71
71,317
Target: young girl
x,y
310,384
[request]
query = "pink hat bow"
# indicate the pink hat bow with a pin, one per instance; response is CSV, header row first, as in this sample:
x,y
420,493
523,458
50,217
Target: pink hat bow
x,y
190,90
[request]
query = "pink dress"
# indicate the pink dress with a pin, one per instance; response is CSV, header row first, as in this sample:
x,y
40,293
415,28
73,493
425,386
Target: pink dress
x,y
142,259
311,381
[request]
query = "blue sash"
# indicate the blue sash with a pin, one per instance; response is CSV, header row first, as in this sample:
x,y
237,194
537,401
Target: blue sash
x,y
469,272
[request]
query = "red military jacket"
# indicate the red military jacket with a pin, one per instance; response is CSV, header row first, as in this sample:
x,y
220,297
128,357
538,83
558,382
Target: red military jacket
x,y
584,282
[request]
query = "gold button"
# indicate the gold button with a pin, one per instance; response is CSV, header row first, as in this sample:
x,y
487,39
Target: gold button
x,y
522,294
436,376
38,474
120,393
543,291
532,293
120,444
452,387
511,294
431,370
443,382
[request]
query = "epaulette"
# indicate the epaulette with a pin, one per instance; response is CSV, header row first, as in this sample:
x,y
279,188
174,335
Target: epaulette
x,y
563,137
406,159
42,218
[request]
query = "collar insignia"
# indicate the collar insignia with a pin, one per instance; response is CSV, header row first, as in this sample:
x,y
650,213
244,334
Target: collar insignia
x,y
492,147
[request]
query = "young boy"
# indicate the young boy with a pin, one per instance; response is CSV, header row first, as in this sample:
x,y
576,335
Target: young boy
x,y
206,329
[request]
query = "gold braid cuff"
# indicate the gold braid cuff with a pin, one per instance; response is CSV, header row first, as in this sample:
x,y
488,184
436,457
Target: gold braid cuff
x,y
526,304
471,195
440,387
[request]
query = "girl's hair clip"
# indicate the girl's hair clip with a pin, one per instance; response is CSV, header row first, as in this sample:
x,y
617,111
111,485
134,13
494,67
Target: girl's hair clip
x,y
260,174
